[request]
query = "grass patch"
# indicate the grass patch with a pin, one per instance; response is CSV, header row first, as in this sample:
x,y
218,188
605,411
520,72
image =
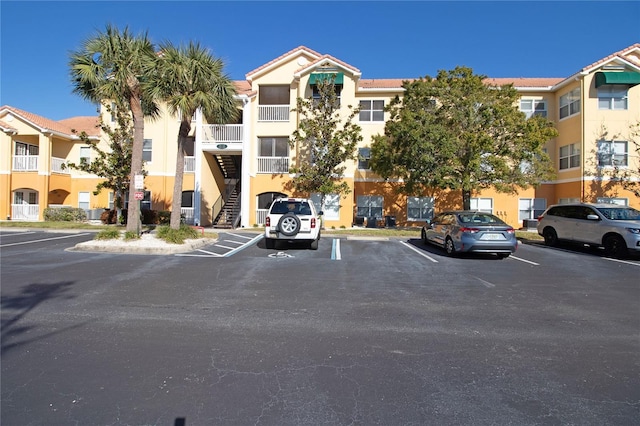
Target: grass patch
x,y
108,234
177,236
51,225
131,235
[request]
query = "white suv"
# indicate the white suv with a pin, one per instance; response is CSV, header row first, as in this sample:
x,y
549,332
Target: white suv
x,y
292,219
612,226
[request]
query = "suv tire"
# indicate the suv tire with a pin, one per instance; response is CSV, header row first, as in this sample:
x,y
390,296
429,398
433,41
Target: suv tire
x,y
289,224
615,246
550,237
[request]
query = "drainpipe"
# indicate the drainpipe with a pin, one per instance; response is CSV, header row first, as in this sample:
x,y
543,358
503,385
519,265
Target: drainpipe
x,y
583,153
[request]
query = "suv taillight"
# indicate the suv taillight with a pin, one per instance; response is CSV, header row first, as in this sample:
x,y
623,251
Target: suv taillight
x,y
267,221
313,222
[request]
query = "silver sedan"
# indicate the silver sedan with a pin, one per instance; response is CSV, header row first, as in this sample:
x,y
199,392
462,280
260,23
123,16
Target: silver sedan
x,y
466,231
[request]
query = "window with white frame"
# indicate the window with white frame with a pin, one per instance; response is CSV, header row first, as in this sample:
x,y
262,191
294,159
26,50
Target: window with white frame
x,y
147,146
26,149
274,147
531,208
569,156
371,110
331,208
613,200
482,204
613,96
419,208
613,154
568,200
369,206
364,154
85,154
84,199
570,103
533,107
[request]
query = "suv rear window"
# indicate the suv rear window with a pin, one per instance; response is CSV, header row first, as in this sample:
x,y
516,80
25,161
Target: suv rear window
x,y
297,207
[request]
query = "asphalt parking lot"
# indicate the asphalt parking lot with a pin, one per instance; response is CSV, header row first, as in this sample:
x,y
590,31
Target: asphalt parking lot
x,y
361,331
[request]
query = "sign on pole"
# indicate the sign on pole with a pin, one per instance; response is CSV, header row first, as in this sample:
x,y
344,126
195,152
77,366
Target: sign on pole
x,y
138,181
139,195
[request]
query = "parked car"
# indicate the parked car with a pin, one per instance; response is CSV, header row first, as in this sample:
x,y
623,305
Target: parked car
x,y
292,219
470,231
612,226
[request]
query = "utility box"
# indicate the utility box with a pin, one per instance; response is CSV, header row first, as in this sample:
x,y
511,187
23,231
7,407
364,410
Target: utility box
x,y
390,221
372,222
530,223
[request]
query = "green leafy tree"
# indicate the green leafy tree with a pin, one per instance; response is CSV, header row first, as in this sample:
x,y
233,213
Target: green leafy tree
x,y
324,141
457,132
114,164
189,78
115,65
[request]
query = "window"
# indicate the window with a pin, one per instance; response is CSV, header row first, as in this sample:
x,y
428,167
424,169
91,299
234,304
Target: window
x,y
371,110
25,197
569,156
612,153
419,208
187,199
364,155
273,95
369,206
570,103
619,201
482,204
331,208
568,200
85,154
613,96
533,107
144,204
316,93
83,200
274,147
26,149
146,150
531,208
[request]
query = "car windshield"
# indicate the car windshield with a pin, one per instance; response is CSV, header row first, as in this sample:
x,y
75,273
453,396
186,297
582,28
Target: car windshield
x,y
620,213
296,207
479,219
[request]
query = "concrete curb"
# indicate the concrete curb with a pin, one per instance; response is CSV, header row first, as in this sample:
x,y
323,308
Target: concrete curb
x,y
121,246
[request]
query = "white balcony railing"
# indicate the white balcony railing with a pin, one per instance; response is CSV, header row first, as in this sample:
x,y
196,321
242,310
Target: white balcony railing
x,y
25,163
57,165
273,164
261,215
187,212
222,133
273,112
189,164
25,211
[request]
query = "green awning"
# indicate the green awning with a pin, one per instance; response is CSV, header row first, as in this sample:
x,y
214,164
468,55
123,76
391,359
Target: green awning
x,y
628,78
315,77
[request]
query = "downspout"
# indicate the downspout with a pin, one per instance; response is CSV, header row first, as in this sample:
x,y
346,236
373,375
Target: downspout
x,y
582,141
197,151
245,184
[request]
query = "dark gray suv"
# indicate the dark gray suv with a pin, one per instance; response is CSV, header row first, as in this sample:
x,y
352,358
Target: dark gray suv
x,y
612,226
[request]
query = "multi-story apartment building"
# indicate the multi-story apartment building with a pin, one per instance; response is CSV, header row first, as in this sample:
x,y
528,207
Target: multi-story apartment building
x,y
234,171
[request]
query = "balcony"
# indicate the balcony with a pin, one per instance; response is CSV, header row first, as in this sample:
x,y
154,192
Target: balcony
x,y
25,211
58,165
273,112
25,163
273,165
222,137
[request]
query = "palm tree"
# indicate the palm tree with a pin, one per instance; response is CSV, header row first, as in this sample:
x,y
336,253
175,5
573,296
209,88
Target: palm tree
x,y
189,78
114,65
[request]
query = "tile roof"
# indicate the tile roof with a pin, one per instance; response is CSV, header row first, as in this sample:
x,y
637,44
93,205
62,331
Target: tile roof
x,y
292,51
331,58
63,127
525,82
382,83
619,54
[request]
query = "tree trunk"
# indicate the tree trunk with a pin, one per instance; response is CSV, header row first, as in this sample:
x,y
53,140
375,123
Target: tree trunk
x,y
133,212
176,202
466,199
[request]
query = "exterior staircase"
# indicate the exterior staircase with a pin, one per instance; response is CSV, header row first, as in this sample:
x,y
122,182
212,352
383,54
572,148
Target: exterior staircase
x,y
229,215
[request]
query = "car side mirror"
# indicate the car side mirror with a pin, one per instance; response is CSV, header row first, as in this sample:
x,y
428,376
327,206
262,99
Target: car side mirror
x,y
593,217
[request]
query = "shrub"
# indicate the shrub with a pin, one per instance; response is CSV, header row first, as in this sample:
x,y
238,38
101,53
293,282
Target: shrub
x,y
177,236
64,214
131,235
108,234
163,217
108,217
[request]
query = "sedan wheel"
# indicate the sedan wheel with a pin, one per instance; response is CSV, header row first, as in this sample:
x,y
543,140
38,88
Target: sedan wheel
x,y
449,247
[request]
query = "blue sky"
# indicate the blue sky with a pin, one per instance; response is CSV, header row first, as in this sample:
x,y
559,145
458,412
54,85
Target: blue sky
x,y
384,39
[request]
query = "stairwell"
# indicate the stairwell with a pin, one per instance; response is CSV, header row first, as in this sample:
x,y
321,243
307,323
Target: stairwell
x,y
229,215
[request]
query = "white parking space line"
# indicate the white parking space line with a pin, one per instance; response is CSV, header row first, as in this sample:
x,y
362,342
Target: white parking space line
x,y
621,261
247,244
234,242
240,236
485,283
523,260
44,239
11,234
227,247
335,250
418,251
